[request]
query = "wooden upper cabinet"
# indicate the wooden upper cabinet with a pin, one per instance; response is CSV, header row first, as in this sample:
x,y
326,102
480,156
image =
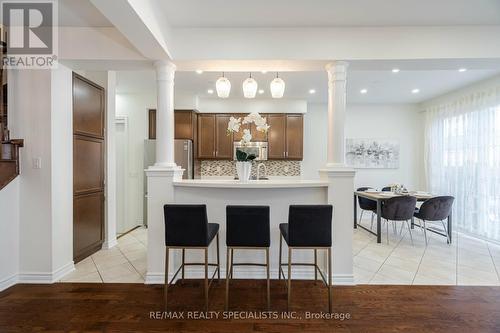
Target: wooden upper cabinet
x,y
184,124
206,136
294,136
224,142
276,136
257,135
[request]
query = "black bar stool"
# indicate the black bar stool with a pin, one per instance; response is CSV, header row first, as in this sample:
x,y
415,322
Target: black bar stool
x,y
308,227
436,209
187,228
247,227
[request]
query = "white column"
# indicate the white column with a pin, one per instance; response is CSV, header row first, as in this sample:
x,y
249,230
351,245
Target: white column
x,y
337,79
165,72
339,176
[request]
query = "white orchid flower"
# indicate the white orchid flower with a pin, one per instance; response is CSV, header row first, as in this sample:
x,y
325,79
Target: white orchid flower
x,y
234,125
247,137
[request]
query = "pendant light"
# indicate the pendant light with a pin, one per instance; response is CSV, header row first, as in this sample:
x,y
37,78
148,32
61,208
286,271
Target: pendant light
x,y
277,87
223,86
250,87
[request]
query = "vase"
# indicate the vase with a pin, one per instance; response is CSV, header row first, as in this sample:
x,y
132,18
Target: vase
x,y
244,170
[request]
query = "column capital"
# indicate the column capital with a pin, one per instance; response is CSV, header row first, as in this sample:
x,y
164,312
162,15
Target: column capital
x,y
337,70
165,70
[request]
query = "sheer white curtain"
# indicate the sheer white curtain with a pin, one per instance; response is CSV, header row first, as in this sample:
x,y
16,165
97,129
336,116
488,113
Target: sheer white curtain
x,y
462,152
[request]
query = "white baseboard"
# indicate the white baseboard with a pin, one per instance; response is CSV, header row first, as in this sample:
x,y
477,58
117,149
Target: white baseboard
x,y
250,273
8,282
110,243
39,277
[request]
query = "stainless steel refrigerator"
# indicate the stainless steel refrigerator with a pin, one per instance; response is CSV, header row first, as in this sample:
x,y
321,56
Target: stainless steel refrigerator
x,y
183,156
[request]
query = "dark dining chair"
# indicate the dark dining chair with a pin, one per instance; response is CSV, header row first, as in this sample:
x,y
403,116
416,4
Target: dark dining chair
x,y
386,189
247,228
366,205
187,227
433,210
308,227
400,208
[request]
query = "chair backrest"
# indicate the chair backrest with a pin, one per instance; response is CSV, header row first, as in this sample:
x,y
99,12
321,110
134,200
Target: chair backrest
x,y
386,189
399,208
248,226
186,225
437,208
310,225
365,203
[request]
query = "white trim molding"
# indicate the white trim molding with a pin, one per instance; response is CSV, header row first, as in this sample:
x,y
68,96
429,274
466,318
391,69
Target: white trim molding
x,y
40,277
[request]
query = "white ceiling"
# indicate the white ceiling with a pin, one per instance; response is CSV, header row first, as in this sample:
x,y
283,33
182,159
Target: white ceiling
x,y
80,13
322,13
383,86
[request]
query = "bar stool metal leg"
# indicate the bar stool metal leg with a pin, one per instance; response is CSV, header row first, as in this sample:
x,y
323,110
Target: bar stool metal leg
x,y
315,265
228,269
330,280
218,259
232,260
268,281
183,260
289,278
206,279
166,277
279,267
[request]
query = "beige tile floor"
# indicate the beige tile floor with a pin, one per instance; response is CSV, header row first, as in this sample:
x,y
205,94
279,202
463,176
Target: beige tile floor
x,y
125,263
467,261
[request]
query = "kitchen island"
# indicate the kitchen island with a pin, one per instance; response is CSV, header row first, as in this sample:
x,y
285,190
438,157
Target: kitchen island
x,y
217,193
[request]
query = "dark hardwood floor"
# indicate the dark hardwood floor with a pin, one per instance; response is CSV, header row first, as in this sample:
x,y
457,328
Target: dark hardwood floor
x,y
128,307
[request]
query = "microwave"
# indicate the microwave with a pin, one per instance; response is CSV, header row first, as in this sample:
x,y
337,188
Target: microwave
x,y
259,149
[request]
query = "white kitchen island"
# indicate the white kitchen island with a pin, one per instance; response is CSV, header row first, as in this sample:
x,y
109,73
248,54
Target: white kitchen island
x,y
279,194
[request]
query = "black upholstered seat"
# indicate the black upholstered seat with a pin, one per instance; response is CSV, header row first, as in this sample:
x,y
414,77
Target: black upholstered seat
x,y
364,203
386,189
187,225
308,226
435,209
247,226
400,208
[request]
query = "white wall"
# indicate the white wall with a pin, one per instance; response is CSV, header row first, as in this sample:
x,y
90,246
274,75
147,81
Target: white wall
x,y
62,168
135,108
401,122
217,105
9,234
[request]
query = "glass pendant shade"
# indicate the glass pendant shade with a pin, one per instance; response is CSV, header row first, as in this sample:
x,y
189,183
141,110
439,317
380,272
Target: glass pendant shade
x,y
223,87
250,88
277,88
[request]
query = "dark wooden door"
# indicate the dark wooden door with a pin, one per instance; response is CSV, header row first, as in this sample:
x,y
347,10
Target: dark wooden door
x,y
276,136
294,136
223,142
206,136
88,167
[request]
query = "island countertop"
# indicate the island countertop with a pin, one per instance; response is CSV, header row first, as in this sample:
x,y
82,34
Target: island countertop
x,y
271,183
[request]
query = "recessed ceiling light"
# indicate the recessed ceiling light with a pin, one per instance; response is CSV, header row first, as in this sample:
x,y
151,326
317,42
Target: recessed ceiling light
x,y
261,91
263,72
363,91
199,71
312,91
395,70
415,91
210,91
461,70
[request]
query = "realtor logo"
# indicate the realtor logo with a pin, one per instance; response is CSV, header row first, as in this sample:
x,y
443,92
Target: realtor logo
x,y
30,34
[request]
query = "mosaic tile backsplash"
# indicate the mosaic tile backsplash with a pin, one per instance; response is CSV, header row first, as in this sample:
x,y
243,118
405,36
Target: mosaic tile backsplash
x,y
224,168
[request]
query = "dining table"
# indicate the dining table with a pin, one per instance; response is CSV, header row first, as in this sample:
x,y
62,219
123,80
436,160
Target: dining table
x,y
380,196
